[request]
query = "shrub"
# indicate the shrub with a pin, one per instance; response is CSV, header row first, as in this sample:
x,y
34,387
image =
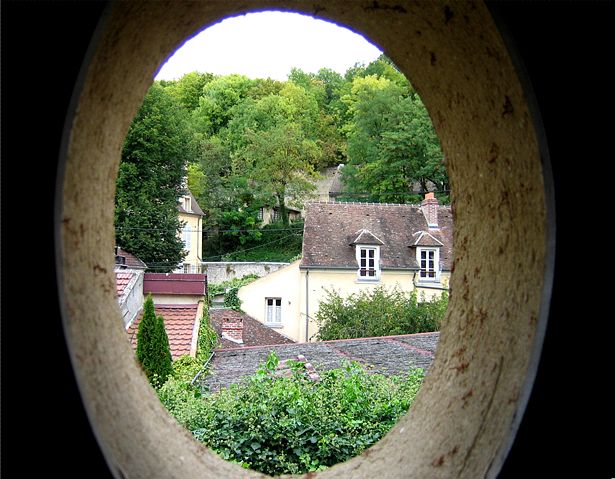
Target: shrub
x,y
380,312
230,289
208,339
153,351
291,425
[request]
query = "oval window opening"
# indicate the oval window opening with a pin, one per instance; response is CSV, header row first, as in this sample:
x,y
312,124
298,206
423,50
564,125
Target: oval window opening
x,y
283,241
470,403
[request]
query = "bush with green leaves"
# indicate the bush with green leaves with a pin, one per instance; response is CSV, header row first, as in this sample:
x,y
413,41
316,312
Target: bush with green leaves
x,y
208,338
379,312
153,350
292,425
230,288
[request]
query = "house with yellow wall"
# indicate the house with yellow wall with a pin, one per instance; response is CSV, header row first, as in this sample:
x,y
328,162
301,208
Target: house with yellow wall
x,y
191,215
351,247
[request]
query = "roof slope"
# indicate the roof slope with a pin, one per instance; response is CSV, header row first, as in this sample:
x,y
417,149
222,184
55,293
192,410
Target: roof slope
x,y
255,333
195,209
130,260
179,323
331,228
387,355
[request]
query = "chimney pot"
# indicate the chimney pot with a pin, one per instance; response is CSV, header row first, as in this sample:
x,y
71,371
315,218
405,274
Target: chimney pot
x,y
232,328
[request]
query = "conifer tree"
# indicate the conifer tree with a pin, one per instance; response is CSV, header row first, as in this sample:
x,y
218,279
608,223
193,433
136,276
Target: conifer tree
x,y
153,351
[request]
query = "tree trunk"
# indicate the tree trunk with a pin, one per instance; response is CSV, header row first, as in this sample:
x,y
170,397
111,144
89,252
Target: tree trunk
x,y
283,210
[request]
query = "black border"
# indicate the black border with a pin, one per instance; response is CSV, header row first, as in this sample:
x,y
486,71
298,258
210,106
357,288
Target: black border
x,y
565,48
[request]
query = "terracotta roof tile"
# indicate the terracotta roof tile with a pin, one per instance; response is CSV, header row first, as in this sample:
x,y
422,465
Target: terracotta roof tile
x,y
179,322
122,278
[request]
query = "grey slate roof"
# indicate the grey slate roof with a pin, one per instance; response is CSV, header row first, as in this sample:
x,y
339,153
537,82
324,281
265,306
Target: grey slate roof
x,y
366,237
423,238
195,209
331,228
388,355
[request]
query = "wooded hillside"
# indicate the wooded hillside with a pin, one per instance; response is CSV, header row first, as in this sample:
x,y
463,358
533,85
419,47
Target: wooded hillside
x,y
247,144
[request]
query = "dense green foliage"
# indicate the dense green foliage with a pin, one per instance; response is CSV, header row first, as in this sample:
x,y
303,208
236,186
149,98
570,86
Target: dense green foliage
x,y
152,166
248,144
274,243
208,338
393,149
280,425
153,352
378,312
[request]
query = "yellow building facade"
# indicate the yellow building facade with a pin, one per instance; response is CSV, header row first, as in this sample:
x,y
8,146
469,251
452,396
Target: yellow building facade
x,y
191,215
350,248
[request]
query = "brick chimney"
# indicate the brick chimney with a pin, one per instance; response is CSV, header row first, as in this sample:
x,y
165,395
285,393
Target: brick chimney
x,y
429,207
232,328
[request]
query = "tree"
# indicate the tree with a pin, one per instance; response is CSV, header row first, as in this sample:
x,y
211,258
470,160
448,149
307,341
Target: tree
x,y
281,161
216,104
157,148
153,351
392,144
188,89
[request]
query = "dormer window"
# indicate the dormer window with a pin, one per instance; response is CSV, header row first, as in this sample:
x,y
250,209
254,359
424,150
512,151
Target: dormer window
x,y
187,206
427,256
367,247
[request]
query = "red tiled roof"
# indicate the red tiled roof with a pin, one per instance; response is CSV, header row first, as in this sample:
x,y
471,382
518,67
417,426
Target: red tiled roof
x,y
174,283
179,322
255,333
121,281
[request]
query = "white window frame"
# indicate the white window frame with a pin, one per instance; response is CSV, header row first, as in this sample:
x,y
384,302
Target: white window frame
x,y
365,267
187,237
273,311
428,273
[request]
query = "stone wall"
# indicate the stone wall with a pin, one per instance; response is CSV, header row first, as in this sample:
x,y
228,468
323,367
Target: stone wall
x,y
217,272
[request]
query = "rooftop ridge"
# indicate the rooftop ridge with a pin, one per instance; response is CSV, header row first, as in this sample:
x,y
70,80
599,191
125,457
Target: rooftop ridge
x,y
359,203
318,202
